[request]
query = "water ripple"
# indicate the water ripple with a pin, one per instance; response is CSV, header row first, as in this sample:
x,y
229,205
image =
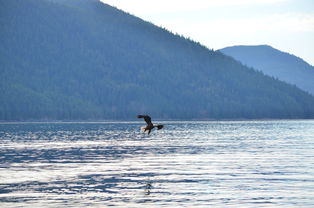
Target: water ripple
x,y
186,164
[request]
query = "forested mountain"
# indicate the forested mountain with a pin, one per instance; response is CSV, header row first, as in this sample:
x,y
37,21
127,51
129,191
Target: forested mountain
x,y
76,59
284,66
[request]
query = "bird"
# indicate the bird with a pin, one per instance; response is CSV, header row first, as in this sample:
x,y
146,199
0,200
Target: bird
x,y
150,125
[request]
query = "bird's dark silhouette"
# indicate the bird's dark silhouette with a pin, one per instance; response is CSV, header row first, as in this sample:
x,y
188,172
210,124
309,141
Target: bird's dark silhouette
x,y
150,125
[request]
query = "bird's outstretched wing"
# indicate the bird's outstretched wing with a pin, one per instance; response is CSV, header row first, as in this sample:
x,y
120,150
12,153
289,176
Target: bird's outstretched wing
x,y
147,119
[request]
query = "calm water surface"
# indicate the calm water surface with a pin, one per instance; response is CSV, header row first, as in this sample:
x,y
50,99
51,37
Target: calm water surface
x,y
186,164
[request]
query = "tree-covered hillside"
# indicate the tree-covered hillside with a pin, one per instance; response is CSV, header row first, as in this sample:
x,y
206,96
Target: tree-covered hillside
x,y
82,59
284,66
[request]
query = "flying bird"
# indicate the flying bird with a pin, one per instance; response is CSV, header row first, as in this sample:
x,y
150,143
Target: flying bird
x,y
150,125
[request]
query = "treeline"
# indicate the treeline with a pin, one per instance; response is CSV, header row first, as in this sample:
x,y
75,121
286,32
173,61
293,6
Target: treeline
x,y
86,60
284,66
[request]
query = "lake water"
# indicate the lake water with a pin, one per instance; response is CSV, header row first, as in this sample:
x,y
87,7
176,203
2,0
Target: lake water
x,y
186,164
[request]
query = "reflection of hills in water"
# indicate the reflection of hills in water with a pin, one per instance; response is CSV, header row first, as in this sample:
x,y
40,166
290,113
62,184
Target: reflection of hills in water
x,y
193,164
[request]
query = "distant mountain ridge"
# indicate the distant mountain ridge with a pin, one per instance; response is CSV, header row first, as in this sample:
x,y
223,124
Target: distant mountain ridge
x,y
82,59
284,66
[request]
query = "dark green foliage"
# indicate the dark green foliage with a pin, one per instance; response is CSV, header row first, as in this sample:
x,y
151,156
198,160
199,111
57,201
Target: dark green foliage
x,y
76,59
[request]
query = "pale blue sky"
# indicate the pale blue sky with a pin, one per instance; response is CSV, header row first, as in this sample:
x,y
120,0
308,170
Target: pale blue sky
x,y
287,25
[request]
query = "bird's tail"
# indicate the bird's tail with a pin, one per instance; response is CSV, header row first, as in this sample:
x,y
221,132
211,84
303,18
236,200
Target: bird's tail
x,y
159,126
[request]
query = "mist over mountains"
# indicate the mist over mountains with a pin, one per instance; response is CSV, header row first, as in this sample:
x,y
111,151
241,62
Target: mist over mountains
x,y
281,65
82,59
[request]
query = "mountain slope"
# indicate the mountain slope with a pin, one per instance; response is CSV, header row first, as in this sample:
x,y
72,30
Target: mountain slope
x,y
82,59
273,62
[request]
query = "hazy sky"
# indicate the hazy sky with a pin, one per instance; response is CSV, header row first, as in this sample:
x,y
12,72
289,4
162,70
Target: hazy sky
x,y
287,25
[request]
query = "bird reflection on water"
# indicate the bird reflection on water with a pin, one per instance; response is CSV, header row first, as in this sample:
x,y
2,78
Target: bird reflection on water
x,y
148,187
192,164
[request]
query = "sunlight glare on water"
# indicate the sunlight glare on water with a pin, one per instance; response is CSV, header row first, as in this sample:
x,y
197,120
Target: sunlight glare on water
x,y
186,164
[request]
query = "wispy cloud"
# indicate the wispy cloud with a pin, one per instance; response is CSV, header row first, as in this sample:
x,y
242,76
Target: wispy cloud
x,y
285,24
272,22
160,6
232,29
